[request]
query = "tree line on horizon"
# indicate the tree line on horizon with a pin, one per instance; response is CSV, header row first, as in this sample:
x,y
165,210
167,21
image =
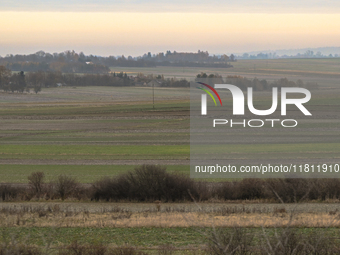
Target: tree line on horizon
x,y
72,62
24,82
273,55
21,81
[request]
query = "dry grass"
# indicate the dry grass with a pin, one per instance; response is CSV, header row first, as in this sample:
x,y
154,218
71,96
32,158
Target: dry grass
x,y
166,219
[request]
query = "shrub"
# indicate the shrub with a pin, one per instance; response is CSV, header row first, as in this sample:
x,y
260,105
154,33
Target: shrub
x,y
325,189
248,189
152,182
36,180
230,241
111,188
9,192
65,186
290,190
284,241
146,183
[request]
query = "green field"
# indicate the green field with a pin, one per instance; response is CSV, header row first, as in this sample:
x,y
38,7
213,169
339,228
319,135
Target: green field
x,y
271,151
324,71
93,132
162,152
97,131
83,173
144,237
94,109
89,152
190,238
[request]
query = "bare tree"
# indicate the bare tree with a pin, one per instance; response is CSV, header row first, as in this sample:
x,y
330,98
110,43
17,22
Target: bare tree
x,y
65,186
36,180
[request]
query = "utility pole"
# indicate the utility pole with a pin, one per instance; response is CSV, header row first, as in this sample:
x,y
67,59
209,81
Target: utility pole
x,y
153,95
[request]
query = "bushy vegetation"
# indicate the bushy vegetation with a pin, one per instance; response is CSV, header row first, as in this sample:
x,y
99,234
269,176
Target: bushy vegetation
x,y
283,241
146,183
153,182
10,192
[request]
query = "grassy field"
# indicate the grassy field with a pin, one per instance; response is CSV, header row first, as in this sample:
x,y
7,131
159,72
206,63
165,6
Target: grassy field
x,y
89,152
145,238
83,173
98,94
65,128
185,226
94,109
324,71
92,132
168,219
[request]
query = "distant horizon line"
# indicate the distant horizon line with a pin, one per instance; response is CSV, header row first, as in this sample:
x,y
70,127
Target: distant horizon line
x,y
210,54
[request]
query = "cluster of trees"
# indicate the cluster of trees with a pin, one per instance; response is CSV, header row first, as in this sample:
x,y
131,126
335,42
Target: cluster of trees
x,y
258,56
160,81
16,82
72,62
66,62
120,79
200,56
210,79
270,55
199,59
311,54
173,82
20,82
53,79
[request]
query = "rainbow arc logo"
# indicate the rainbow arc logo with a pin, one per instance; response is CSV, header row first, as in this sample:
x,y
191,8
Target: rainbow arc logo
x,y
208,92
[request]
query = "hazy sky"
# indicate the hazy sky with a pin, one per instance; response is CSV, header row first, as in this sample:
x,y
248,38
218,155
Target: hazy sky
x,y
134,27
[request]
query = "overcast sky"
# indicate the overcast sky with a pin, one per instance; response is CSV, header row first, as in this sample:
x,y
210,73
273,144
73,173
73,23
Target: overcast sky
x,y
290,6
135,27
